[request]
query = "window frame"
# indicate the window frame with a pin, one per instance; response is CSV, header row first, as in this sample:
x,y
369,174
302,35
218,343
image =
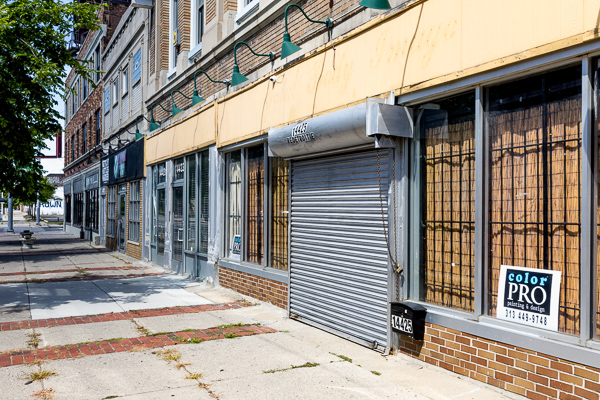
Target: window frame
x,y
84,138
267,192
134,219
111,212
98,116
173,26
245,10
125,80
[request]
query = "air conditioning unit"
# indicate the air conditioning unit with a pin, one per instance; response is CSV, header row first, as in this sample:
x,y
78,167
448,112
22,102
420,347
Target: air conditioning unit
x,y
142,3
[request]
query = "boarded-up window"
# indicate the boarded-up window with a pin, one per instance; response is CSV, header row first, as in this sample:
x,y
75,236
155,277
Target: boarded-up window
x,y
534,130
447,143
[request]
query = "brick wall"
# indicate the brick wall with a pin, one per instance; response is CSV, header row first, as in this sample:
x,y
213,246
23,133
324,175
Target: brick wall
x,y
152,57
268,38
162,23
535,375
211,10
255,286
229,5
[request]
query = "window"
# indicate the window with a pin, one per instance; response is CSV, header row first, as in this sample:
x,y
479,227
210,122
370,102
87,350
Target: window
x,y
197,216
204,201
125,80
73,103
78,209
111,211
197,24
68,208
116,90
84,138
534,128
107,99
246,8
447,143
97,122
84,89
92,210
192,214
137,67
234,204
134,211
264,198
72,148
97,64
174,33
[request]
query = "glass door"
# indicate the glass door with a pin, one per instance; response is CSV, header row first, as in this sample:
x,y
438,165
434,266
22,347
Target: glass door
x,y
177,228
121,221
160,226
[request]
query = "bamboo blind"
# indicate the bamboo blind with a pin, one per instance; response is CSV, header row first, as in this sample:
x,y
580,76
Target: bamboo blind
x,y
256,177
449,215
280,172
535,158
235,185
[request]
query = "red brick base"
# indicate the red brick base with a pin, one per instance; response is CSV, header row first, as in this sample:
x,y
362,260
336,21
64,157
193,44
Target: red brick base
x,y
255,286
528,373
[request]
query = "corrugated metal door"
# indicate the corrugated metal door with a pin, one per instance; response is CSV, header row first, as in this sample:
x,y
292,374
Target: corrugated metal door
x,y
338,252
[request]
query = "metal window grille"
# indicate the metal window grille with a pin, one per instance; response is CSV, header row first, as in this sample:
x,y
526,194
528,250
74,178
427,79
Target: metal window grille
x,y
255,199
134,211
111,211
534,128
204,202
448,212
191,218
91,214
234,214
68,208
78,209
280,183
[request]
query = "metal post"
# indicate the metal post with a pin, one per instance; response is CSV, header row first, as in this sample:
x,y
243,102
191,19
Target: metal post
x,y
37,212
10,214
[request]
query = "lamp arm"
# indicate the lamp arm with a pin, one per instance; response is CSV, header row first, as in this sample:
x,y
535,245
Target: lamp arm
x,y
152,108
271,55
137,119
328,22
208,76
178,91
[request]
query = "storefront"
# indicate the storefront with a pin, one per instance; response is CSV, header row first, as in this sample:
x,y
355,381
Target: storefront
x,y
92,203
340,184
122,175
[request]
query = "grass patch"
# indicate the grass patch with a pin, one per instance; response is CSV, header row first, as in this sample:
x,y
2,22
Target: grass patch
x,y
342,357
376,373
305,365
230,336
194,376
81,271
116,339
229,325
177,338
170,355
39,375
195,340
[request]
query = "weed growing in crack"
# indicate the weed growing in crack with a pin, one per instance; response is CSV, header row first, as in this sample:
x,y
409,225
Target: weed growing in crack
x,y
180,365
230,336
195,340
305,365
342,357
34,340
376,373
170,355
229,326
194,376
40,375
45,394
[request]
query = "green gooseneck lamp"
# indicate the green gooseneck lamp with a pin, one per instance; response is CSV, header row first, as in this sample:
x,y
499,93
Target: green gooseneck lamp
x,y
153,124
196,98
138,135
177,110
237,77
377,4
288,48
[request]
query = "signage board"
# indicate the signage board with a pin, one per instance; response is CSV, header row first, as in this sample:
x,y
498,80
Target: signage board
x,y
105,171
126,165
236,248
408,319
529,296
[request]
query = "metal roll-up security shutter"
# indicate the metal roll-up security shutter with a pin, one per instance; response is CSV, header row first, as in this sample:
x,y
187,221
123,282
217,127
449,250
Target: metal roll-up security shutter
x,y
338,252
136,97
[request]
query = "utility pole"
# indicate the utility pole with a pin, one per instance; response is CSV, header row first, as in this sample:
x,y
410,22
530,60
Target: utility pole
x,y
37,211
10,214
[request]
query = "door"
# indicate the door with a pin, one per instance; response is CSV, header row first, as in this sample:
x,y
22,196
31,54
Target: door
x,y
177,262
338,251
121,221
160,227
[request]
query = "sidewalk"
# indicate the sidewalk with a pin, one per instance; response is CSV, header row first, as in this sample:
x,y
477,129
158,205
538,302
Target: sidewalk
x,y
161,336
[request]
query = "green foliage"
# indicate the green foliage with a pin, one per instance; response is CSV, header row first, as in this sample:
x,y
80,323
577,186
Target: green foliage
x,y
34,60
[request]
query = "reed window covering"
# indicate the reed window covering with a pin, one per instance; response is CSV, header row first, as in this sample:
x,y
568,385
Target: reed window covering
x,y
447,136
534,133
255,202
280,188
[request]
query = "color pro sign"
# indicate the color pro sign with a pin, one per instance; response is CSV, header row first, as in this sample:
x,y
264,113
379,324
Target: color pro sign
x,y
529,296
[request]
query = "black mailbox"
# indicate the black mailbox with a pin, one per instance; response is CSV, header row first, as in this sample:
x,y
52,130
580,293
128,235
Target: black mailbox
x,y
409,319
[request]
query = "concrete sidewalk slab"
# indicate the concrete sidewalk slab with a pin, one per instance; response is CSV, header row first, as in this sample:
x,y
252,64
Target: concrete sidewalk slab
x,y
15,313
13,295
14,340
205,320
46,261
250,356
18,389
99,259
73,334
149,292
118,374
63,299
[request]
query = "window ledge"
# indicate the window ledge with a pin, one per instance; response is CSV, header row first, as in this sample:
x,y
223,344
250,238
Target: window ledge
x,y
263,272
246,12
132,242
196,52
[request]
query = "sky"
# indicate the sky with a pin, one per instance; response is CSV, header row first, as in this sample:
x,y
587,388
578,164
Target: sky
x,y
55,165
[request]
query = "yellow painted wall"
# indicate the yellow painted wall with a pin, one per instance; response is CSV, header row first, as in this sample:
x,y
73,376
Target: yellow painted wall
x,y
431,42
192,133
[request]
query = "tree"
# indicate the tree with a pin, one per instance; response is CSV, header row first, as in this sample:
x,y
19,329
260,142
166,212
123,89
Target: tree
x,y
33,62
